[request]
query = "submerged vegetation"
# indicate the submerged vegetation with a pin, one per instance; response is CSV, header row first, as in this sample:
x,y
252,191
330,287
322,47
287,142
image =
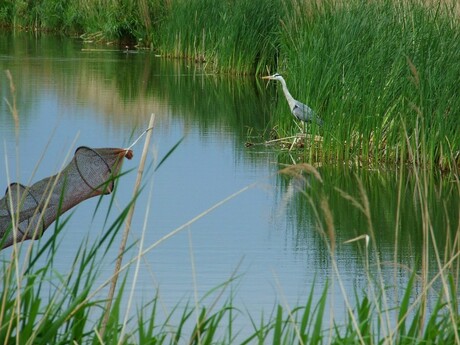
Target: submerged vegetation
x,y
382,75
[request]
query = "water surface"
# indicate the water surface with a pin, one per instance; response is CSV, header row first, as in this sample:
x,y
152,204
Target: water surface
x,y
269,236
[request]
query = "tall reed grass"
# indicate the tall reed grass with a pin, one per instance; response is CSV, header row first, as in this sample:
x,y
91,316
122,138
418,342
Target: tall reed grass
x,y
97,20
40,305
384,80
241,36
382,77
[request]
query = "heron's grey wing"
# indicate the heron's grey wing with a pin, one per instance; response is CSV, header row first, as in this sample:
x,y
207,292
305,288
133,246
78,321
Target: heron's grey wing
x,y
303,112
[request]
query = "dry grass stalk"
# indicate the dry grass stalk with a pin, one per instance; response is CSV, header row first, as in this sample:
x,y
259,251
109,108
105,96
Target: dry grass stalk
x,y
13,109
129,218
297,170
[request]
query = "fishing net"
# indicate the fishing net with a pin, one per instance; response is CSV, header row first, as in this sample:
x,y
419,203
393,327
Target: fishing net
x,y
26,212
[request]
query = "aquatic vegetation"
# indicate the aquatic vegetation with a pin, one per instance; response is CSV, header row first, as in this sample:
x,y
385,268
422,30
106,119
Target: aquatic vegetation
x,y
381,88
240,37
377,75
41,303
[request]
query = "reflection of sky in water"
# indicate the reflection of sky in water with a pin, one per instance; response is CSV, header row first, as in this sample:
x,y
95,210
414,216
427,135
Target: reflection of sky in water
x,y
258,232
240,235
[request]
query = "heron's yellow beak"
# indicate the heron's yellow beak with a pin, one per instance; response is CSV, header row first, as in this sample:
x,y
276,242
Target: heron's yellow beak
x,y
267,77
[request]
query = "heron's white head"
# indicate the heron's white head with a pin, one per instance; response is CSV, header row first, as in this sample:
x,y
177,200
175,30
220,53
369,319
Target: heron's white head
x,y
275,76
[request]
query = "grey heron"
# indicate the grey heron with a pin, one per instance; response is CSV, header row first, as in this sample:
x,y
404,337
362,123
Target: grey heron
x,y
300,111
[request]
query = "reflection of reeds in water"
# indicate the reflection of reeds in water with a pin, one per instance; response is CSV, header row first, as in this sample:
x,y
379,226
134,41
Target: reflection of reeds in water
x,y
105,98
370,91
125,89
429,293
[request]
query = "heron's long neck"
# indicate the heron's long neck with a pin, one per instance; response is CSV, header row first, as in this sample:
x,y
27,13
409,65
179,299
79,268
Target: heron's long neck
x,y
288,95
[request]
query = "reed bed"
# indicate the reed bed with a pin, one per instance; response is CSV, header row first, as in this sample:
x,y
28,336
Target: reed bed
x,y
41,305
239,37
381,76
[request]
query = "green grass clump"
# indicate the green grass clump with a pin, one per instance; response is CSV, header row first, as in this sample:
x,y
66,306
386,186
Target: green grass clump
x,y
70,314
382,77
239,36
97,20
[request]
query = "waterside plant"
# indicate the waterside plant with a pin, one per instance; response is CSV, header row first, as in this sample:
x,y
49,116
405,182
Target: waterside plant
x,y
384,83
40,305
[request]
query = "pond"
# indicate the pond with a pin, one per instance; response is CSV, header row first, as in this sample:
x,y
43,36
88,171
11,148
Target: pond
x,y
275,237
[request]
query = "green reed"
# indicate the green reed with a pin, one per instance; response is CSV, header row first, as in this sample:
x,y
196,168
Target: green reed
x,y
382,77
40,305
97,20
385,96
227,36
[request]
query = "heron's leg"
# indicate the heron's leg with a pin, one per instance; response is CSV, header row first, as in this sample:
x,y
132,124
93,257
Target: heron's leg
x,y
297,124
302,127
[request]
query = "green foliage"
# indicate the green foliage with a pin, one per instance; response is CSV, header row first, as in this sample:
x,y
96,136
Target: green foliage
x,y
377,75
239,36
107,19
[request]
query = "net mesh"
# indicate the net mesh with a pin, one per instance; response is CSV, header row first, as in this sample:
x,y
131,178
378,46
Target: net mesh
x,y
27,211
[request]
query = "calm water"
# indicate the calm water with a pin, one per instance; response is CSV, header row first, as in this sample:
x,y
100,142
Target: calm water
x,y
269,235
